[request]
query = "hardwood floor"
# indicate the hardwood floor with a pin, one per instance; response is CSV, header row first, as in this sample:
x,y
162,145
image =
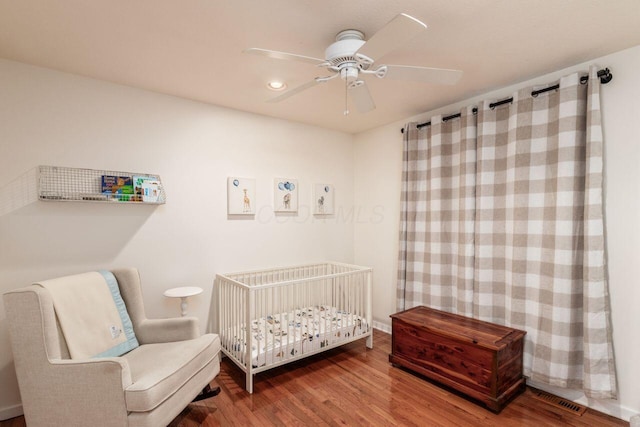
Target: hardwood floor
x,y
354,386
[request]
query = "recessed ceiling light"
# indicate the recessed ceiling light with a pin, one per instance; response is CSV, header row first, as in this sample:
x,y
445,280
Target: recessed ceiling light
x,y
276,85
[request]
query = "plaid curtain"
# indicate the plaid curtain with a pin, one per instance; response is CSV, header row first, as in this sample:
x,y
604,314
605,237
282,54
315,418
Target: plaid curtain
x,y
599,362
438,208
537,230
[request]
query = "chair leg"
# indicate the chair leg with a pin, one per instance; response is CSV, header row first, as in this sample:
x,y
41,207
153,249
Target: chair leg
x,y
206,393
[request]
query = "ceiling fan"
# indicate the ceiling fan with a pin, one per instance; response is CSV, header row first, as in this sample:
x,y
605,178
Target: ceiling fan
x,y
351,57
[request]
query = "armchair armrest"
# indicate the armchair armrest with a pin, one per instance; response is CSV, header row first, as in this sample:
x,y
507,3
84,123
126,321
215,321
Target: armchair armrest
x,y
103,369
77,392
151,331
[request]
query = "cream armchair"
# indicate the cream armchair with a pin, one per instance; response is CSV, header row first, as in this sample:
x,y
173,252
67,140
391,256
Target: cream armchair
x,y
148,386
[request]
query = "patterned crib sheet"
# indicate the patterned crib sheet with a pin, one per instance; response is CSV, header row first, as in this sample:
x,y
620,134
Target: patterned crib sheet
x,y
285,335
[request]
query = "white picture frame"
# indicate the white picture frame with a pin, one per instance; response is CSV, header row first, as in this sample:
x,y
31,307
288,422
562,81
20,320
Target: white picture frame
x,y
285,195
323,199
241,196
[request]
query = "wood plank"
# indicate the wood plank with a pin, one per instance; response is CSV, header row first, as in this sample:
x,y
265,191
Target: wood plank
x,y
353,385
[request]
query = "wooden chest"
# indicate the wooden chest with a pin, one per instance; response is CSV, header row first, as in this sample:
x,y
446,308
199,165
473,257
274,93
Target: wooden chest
x,y
479,359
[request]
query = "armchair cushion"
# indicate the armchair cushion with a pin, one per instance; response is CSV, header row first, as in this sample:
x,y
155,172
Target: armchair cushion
x,y
92,315
160,370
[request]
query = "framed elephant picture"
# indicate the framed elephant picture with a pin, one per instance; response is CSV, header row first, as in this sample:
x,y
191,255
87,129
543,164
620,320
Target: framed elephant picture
x,y
285,195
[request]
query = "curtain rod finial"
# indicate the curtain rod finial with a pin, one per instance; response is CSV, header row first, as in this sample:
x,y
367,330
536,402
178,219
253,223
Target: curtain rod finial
x,y
606,77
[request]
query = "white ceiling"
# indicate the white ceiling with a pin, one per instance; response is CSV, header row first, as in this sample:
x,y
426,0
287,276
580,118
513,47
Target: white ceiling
x,y
193,48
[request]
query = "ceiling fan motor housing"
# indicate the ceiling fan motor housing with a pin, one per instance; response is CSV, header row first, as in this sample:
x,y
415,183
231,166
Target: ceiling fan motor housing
x,y
340,54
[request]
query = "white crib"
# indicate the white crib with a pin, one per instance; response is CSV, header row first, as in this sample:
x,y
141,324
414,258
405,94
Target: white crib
x,y
293,312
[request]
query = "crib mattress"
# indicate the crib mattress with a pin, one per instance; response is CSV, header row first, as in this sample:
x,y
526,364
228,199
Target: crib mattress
x,y
282,336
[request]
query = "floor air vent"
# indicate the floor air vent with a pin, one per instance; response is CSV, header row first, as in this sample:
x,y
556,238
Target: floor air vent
x,y
559,402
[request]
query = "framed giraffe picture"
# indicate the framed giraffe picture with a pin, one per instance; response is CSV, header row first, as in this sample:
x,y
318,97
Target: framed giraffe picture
x,y
241,196
285,195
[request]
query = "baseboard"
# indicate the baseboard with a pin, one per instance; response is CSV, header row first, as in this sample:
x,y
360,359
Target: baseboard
x,y
609,407
382,327
11,412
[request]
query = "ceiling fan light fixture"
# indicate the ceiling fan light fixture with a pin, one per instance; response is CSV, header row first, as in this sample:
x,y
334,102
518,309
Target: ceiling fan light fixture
x,y
276,85
349,73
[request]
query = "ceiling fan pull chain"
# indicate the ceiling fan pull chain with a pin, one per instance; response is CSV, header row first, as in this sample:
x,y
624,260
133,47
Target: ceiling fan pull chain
x,y
346,98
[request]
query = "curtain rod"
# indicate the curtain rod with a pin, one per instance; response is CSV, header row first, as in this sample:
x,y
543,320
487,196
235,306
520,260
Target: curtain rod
x,y
604,75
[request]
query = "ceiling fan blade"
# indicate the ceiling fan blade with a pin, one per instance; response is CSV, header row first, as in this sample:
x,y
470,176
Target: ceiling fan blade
x,y
283,55
294,91
361,97
423,74
397,32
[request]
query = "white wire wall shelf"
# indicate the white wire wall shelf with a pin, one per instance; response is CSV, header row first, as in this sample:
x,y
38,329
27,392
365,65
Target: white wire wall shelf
x,y
64,184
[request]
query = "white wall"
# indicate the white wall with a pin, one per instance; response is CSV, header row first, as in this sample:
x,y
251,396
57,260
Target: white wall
x,y
378,165
53,118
